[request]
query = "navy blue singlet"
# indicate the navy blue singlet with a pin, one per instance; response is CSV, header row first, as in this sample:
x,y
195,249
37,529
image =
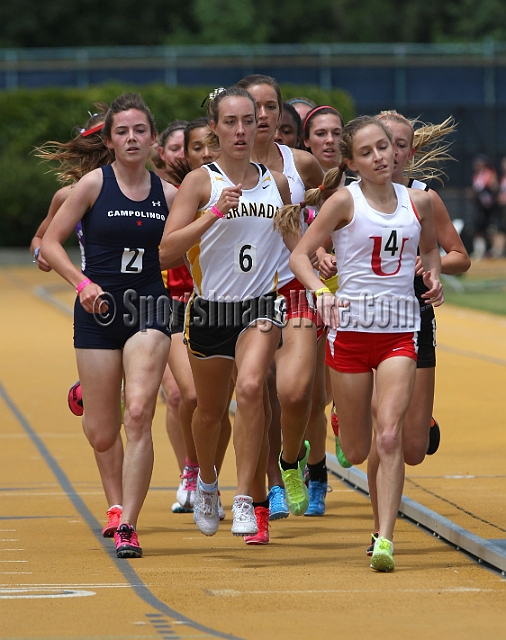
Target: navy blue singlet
x,y
122,235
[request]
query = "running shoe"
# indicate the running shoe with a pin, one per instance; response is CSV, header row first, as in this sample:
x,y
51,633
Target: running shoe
x,y
382,558
334,421
370,548
205,510
434,437
296,492
177,508
221,510
113,520
75,399
262,537
245,522
127,543
317,495
277,503
186,491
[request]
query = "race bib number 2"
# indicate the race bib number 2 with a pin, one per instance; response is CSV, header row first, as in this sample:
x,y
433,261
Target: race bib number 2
x,y
131,260
245,258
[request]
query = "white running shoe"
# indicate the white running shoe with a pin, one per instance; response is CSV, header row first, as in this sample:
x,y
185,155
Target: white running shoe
x,y
186,491
205,510
245,522
221,510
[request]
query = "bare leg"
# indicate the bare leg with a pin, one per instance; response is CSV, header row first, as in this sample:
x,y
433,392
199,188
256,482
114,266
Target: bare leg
x,y
254,353
273,472
172,423
181,369
295,369
317,426
110,467
144,359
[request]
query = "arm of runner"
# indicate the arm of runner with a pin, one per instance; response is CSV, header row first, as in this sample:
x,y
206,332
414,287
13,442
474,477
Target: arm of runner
x,y
429,251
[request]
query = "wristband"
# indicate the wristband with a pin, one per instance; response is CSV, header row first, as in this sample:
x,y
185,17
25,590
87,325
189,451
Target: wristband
x,y
217,212
321,291
36,254
310,216
82,284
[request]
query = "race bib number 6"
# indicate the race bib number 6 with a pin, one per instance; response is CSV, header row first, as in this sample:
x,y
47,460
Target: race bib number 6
x,y
131,260
245,258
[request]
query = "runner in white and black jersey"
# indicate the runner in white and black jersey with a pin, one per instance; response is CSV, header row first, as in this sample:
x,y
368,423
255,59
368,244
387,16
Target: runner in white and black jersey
x,y
376,227
223,220
296,360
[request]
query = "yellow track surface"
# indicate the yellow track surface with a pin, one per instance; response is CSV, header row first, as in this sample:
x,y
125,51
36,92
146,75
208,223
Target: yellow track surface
x,y
60,579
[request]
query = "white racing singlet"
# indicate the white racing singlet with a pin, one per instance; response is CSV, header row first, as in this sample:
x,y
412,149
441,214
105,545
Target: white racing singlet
x,y
297,192
238,257
376,256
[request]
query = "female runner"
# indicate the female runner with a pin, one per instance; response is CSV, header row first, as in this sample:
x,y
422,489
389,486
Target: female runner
x,y
415,152
295,362
178,377
223,219
376,227
321,132
78,156
121,310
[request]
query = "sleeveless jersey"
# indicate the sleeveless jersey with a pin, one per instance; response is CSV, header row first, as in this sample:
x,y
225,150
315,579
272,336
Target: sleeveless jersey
x,y
122,235
238,256
420,287
376,255
297,191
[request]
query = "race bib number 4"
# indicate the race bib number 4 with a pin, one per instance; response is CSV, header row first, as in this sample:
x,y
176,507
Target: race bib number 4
x,y
391,243
131,260
245,258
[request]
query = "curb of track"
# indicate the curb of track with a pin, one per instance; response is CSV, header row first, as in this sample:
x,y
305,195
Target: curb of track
x,y
485,551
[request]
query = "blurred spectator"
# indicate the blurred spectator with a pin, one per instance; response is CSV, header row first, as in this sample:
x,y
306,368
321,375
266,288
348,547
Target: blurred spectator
x,y
483,192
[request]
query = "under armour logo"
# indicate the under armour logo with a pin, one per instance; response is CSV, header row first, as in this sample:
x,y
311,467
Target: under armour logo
x,y
156,204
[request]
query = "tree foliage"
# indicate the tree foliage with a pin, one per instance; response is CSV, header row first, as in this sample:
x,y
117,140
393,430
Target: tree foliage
x,y
52,23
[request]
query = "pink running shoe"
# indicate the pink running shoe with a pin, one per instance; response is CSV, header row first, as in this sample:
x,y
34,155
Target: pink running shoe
x,y
127,543
75,399
262,537
113,520
186,491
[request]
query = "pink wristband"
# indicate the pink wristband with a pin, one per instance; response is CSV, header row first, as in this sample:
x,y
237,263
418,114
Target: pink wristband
x,y
310,216
217,212
82,284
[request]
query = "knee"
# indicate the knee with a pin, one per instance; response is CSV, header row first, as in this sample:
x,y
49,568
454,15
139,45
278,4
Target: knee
x,y
100,439
356,453
388,441
414,452
249,390
295,399
137,418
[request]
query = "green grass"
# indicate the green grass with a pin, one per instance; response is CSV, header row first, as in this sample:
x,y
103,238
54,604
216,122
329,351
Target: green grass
x,y
482,295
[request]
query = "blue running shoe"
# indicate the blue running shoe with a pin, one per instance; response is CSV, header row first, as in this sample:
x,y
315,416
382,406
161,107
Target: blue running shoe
x,y
317,495
278,508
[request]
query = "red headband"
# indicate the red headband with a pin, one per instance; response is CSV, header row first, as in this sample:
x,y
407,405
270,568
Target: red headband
x,y
311,113
94,129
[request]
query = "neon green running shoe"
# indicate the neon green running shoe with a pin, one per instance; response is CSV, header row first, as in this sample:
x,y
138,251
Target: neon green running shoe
x,y
296,492
383,555
341,458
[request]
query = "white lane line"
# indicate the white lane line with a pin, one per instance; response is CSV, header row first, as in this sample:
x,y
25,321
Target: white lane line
x,y
5,561
235,593
39,586
16,573
11,549
23,594
9,539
